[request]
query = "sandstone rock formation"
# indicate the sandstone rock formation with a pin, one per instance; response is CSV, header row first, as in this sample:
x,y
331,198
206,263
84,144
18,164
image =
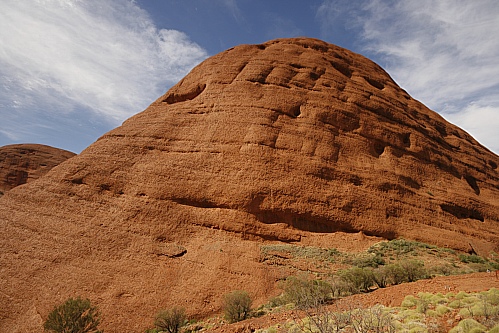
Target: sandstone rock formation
x,y
294,140
22,163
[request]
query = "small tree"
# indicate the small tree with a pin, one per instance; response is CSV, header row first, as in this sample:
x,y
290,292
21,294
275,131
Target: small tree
x,y
170,320
306,293
237,306
414,270
73,316
361,279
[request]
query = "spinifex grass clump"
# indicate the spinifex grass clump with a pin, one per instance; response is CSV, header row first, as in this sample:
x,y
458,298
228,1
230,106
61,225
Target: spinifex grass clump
x,y
424,313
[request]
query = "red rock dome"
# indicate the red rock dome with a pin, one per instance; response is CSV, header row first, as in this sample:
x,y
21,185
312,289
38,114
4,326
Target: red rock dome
x,y
294,140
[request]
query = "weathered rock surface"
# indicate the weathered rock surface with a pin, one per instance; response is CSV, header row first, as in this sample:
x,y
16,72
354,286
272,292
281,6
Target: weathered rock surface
x,y
294,140
22,163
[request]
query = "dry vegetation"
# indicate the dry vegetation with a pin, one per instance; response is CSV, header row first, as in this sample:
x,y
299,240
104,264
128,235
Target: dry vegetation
x,y
325,276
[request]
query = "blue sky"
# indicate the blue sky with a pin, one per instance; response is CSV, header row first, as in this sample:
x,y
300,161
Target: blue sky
x,y
71,70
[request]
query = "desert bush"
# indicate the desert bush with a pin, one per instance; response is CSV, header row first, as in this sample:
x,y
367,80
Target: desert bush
x,y
445,269
471,258
354,318
409,301
73,316
394,274
339,287
422,305
388,275
361,279
237,306
492,296
170,320
374,319
494,329
414,270
442,309
371,260
306,293
398,247
468,326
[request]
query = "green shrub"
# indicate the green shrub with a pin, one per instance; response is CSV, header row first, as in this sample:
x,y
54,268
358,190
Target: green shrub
x,y
422,305
170,320
398,246
409,316
372,260
456,304
494,329
73,316
381,276
431,313
409,301
306,293
237,306
492,296
395,274
414,270
468,326
444,269
361,279
461,295
442,309
466,313
472,258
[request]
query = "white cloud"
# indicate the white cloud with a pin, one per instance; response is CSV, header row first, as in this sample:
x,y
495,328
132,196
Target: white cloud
x,y
99,56
445,54
482,121
233,8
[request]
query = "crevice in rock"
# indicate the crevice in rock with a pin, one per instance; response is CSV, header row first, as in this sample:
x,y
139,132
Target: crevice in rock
x,y
302,221
261,77
77,181
378,148
462,212
376,84
342,68
406,139
410,182
388,187
307,222
170,250
185,96
472,183
295,111
203,203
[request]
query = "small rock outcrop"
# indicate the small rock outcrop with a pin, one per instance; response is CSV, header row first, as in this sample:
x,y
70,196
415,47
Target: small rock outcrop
x,y
22,163
294,140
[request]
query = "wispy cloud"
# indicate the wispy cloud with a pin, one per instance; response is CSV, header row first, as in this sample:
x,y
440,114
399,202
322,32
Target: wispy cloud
x,y
281,27
444,53
102,57
233,8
